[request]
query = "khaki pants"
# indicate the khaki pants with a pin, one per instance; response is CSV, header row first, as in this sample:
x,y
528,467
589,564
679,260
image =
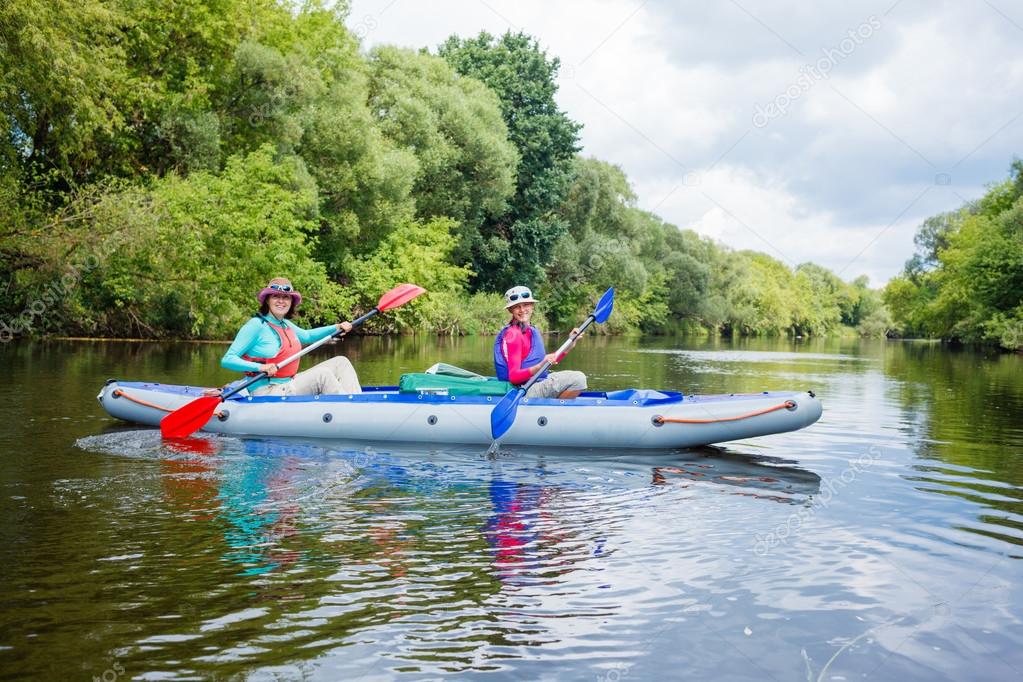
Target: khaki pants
x,y
556,383
330,376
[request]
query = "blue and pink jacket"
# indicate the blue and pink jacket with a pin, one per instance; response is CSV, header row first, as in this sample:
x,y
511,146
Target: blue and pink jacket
x,y
516,351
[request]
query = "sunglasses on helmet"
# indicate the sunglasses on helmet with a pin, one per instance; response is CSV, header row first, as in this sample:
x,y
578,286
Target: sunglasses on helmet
x,y
524,294
279,287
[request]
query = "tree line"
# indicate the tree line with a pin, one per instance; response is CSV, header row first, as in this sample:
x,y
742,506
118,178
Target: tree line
x,y
965,281
161,160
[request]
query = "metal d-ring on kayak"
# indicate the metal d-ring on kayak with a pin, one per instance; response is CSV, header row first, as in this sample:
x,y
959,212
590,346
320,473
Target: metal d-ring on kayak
x,y
632,418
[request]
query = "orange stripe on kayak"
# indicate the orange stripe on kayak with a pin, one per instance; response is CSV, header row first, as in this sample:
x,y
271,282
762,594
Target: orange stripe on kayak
x,y
146,403
673,420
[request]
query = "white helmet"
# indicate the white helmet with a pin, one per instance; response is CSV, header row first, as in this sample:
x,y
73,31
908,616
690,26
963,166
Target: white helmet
x,y
517,295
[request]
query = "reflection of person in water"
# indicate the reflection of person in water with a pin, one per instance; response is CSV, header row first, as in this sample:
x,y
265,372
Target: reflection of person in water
x,y
392,541
251,497
240,495
258,498
188,478
254,504
526,538
508,530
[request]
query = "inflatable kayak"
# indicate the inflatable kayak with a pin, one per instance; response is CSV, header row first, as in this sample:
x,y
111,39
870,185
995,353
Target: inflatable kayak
x,y
629,418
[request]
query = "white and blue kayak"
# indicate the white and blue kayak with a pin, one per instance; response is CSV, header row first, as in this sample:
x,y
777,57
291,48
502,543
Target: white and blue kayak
x,y
631,418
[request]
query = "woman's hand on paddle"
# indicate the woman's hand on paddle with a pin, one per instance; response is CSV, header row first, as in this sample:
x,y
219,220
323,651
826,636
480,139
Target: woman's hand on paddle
x,y
344,327
270,369
554,358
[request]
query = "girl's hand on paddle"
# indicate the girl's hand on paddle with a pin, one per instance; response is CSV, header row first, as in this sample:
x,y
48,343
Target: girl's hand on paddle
x,y
344,327
551,358
270,369
575,334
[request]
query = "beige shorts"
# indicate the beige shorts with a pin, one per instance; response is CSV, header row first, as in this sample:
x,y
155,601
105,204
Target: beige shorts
x,y
556,383
330,376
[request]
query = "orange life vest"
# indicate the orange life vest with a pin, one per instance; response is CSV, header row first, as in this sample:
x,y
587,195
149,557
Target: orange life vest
x,y
289,346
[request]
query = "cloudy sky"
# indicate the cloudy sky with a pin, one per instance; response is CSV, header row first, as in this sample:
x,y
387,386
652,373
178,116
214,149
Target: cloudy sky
x,y
821,131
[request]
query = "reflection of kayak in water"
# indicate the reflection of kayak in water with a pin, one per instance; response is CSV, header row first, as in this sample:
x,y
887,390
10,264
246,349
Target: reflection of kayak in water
x,y
264,495
429,469
749,475
619,419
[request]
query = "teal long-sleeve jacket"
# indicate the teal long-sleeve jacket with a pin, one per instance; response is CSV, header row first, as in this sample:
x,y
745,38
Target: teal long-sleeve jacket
x,y
257,339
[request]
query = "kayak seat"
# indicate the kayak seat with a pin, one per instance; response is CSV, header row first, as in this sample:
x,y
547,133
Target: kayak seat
x,y
645,396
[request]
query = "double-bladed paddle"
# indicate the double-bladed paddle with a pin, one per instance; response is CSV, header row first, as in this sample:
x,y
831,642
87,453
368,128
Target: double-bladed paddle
x,y
189,418
503,415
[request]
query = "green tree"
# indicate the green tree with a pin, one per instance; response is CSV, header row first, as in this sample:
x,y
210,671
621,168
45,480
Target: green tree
x,y
932,238
414,252
184,257
825,300
453,126
973,290
123,87
764,302
602,249
870,316
193,149
306,91
63,86
698,274
517,246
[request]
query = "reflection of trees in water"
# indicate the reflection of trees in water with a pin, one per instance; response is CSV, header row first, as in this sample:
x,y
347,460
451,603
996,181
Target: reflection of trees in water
x,y
967,412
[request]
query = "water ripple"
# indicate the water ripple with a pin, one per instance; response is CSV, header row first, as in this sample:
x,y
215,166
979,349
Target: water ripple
x,y
884,542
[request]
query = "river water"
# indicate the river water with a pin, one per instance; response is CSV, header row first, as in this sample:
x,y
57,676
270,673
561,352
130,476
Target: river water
x,y
885,542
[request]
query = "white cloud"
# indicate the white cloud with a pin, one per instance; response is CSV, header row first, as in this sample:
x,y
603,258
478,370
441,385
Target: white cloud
x,y
667,89
740,208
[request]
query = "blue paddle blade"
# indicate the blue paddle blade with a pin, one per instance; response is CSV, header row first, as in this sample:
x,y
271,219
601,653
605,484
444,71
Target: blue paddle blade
x,y
604,306
503,415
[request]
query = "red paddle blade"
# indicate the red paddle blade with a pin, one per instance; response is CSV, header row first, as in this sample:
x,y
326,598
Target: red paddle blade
x,y
187,419
399,295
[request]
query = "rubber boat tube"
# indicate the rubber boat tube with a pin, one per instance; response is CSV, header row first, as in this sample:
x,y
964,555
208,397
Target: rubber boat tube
x,y
630,418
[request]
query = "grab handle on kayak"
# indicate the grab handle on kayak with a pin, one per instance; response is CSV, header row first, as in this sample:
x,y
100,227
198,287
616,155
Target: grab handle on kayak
x,y
787,405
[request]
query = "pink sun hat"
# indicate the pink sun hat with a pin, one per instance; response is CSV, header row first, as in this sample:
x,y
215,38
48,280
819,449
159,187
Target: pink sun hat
x,y
281,286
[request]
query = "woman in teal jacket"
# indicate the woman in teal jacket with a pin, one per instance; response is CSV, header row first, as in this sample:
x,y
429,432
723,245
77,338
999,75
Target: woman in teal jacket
x,y
270,337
